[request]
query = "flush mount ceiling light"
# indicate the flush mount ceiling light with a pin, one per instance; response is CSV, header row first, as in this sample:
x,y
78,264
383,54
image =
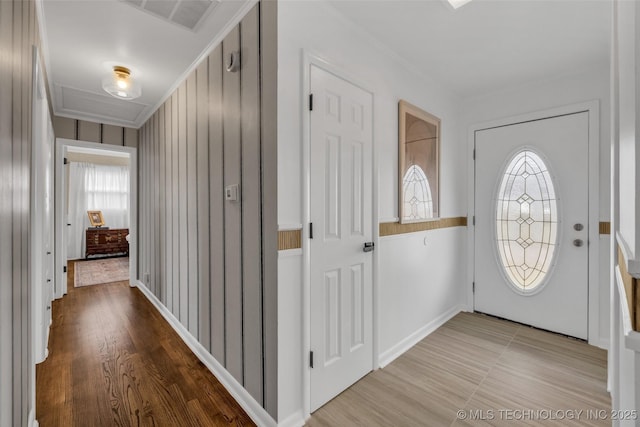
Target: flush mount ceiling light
x,y
458,3
120,84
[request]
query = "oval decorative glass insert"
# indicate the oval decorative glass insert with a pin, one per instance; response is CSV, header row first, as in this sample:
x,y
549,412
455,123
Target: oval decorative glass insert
x,y
526,221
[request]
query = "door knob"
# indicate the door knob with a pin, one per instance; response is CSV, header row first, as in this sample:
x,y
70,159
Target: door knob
x,y
578,243
578,227
368,247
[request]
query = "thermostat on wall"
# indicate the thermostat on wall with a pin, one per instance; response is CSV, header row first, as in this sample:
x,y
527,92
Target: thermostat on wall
x,y
231,192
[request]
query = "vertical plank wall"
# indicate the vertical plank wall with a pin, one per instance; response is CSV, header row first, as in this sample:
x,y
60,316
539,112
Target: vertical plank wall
x,y
81,130
201,255
18,35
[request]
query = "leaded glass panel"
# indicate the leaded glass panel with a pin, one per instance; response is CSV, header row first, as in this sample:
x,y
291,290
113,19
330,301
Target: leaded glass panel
x,y
526,221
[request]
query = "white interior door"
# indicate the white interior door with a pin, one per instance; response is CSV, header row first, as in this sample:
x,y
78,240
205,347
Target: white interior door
x,y
531,246
341,214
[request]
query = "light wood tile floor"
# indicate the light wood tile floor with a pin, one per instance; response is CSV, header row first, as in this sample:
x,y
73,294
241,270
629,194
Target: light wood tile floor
x,y
493,371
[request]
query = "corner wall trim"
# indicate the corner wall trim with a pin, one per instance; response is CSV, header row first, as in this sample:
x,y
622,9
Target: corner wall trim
x,y
257,413
391,228
397,350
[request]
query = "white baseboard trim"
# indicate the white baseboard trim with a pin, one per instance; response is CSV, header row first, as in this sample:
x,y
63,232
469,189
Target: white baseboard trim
x,y
257,413
293,420
32,419
397,350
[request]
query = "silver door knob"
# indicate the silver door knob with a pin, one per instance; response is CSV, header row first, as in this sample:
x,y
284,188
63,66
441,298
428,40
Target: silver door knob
x,y
578,227
578,242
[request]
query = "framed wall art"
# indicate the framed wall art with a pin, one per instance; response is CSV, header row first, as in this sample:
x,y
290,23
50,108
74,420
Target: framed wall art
x,y
95,218
419,164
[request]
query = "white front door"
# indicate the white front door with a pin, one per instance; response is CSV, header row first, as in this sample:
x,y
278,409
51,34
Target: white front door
x,y
531,247
341,216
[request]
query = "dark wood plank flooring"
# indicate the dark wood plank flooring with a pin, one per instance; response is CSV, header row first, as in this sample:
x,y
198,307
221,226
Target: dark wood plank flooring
x,y
114,361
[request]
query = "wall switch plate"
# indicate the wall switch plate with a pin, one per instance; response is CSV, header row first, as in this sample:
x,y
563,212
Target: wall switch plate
x,y
231,192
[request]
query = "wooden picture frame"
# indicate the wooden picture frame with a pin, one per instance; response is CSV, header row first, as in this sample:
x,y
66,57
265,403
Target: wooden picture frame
x,y
95,218
418,164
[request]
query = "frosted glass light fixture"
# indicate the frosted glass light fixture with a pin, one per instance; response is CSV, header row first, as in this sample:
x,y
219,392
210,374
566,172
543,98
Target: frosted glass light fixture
x,y
458,3
119,84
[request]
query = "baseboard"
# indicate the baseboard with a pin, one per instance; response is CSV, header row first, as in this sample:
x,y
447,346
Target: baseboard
x,y
257,413
413,339
293,420
32,419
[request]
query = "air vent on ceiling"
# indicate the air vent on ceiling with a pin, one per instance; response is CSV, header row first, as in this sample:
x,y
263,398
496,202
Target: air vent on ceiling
x,y
186,13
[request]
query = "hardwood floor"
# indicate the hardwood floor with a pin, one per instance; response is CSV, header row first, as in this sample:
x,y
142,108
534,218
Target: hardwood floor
x,y
493,371
114,361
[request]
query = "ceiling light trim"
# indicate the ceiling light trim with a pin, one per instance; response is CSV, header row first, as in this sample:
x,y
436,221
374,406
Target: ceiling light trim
x,y
456,4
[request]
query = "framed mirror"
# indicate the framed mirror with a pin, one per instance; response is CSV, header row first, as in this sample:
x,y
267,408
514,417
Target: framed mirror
x,y
419,164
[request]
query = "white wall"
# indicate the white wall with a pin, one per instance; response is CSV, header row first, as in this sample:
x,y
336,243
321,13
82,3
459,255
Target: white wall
x,y
628,125
417,283
589,84
624,356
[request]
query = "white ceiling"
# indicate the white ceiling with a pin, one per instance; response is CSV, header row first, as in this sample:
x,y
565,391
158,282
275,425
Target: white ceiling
x,y
85,38
487,45
480,47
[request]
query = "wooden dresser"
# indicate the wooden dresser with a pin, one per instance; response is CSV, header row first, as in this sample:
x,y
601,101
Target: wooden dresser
x,y
102,241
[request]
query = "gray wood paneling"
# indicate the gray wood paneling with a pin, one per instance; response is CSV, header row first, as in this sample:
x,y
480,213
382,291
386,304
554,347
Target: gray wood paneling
x,y
162,226
216,206
207,255
18,34
89,131
192,203
269,138
113,135
82,130
20,144
64,127
183,204
130,137
6,223
168,177
202,131
176,205
154,167
251,206
233,212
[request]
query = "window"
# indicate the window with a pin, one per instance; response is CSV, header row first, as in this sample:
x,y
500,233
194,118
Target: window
x,y
418,203
526,221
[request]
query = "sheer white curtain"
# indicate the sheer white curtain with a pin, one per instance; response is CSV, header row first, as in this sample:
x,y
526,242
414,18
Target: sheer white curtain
x,y
95,188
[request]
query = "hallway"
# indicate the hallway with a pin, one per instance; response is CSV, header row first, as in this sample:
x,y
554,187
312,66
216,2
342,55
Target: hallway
x,y
115,361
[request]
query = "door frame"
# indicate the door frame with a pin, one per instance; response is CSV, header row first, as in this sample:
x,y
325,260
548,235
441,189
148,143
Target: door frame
x,y
593,110
60,179
310,58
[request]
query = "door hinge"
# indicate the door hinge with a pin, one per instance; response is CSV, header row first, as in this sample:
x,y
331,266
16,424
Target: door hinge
x,y
311,359
473,287
64,269
474,220
311,230
310,102
66,160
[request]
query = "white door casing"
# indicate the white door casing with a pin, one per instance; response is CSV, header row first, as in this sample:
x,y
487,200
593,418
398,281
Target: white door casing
x,y
341,211
41,214
560,303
